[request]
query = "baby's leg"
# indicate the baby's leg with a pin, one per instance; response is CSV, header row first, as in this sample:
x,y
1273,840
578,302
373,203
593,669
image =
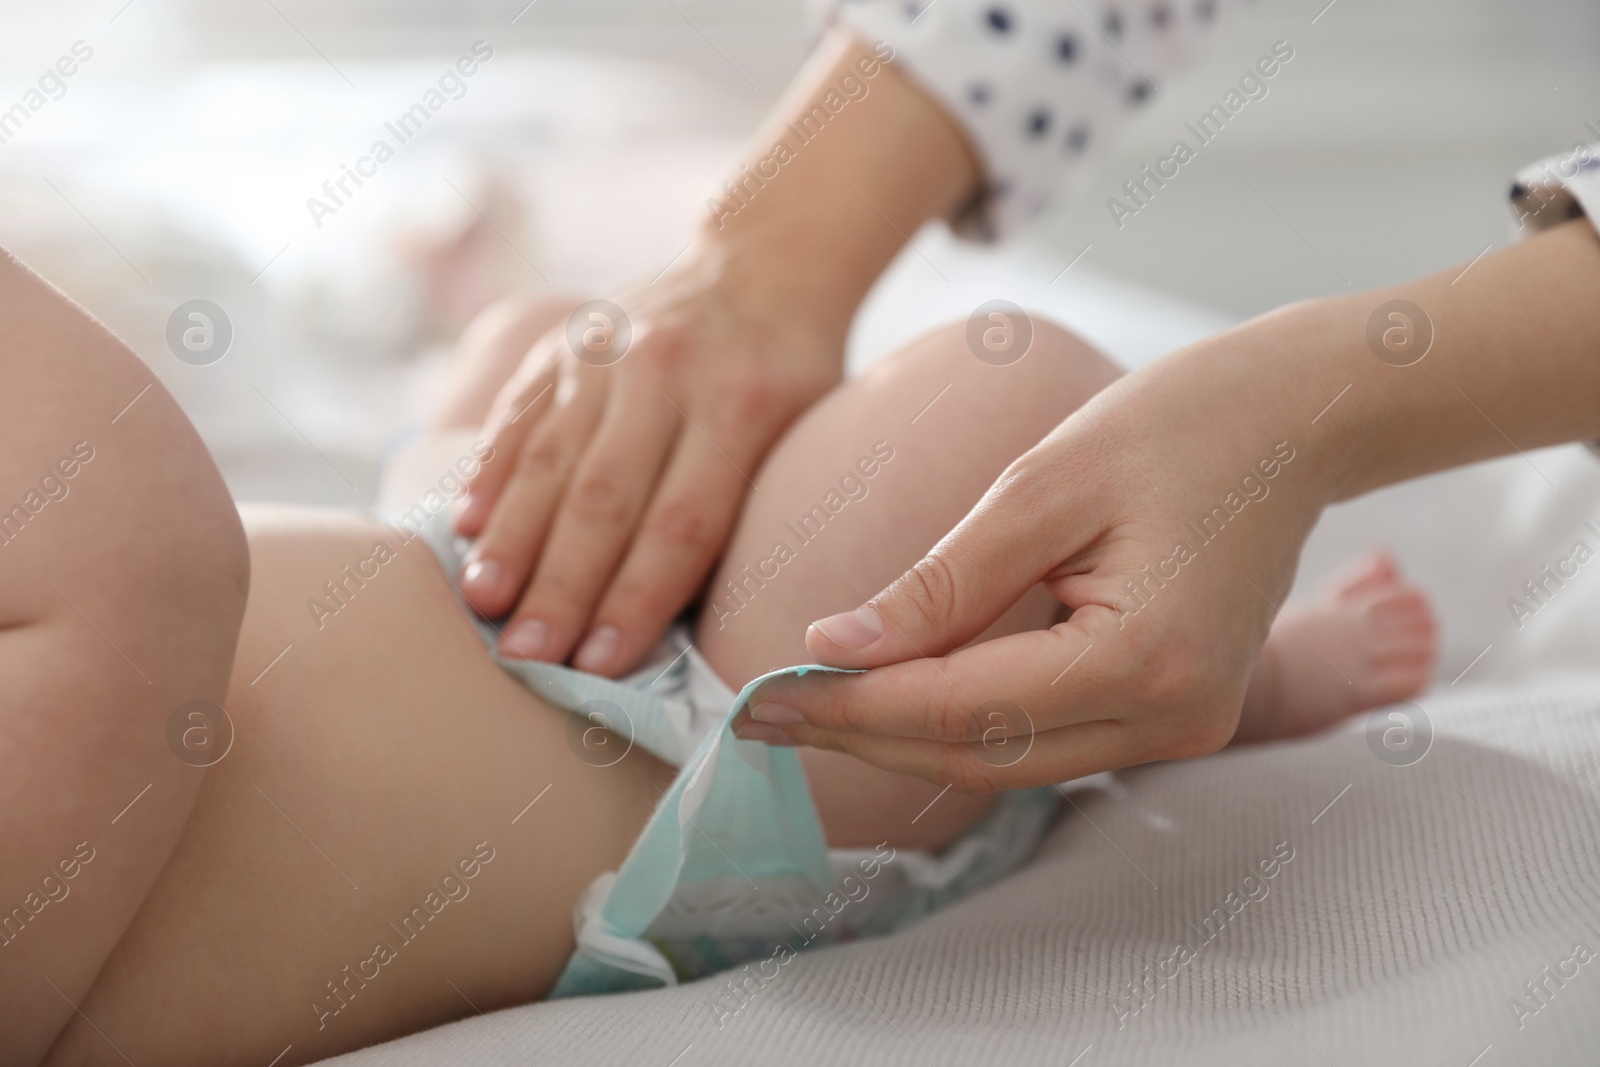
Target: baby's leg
x,y
856,492
122,582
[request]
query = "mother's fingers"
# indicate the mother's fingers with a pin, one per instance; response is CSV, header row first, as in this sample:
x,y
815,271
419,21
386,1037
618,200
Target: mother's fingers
x,y
683,531
1025,683
992,764
971,578
599,510
500,562
516,411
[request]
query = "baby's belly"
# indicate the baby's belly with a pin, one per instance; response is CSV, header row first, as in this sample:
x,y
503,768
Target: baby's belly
x,y
395,838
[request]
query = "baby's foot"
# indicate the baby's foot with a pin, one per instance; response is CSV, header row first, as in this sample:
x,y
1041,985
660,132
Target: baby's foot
x,y
1369,640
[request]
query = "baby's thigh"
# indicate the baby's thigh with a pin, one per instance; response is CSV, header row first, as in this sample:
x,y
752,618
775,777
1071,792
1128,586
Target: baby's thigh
x,y
396,838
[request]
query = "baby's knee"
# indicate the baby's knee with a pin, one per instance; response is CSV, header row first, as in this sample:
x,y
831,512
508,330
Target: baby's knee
x,y
129,505
180,548
1035,370
1076,367
1042,352
177,564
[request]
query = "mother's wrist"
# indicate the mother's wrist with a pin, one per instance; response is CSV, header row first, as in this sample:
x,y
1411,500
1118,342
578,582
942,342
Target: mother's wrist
x,y
1277,381
808,221
1324,370
768,274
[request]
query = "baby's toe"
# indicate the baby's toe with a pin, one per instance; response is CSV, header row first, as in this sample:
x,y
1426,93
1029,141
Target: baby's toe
x,y
1375,571
1402,611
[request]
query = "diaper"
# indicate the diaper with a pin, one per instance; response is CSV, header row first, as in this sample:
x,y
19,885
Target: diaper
x,y
733,868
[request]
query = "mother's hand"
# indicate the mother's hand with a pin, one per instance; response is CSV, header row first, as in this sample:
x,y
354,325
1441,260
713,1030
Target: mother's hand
x,y
1168,515
633,431
626,478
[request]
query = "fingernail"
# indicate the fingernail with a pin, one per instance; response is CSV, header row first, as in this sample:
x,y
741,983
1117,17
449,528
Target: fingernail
x,y
775,713
853,629
481,578
599,650
769,735
525,640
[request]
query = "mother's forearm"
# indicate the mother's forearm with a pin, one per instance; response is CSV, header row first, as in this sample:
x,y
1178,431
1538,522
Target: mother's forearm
x,y
852,161
1453,368
1514,362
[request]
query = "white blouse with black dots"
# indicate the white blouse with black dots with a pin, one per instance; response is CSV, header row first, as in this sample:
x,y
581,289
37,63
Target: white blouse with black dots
x,y
1039,85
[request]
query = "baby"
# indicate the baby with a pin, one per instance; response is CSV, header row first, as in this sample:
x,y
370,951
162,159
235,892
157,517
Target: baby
x,y
397,830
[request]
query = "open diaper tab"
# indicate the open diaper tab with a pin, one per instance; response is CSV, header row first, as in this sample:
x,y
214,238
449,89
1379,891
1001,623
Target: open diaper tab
x,y
733,867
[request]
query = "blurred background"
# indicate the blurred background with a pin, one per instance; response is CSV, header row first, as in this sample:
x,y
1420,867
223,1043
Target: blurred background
x,y
176,163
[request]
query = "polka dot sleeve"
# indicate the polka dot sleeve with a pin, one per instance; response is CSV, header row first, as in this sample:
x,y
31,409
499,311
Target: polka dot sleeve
x,y
1557,189
1041,86
1554,190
